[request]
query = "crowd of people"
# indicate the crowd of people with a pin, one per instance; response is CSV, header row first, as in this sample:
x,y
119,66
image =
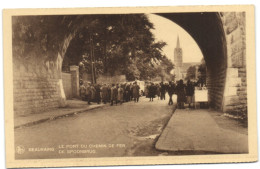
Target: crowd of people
x,y
114,93
184,92
125,92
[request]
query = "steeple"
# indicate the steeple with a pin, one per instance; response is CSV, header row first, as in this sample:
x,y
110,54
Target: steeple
x,y
178,42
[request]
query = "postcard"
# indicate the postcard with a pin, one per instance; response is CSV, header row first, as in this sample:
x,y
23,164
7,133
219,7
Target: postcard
x,y
130,86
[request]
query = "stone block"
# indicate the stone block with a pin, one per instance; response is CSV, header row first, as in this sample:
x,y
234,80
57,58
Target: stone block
x,y
233,82
230,91
229,17
231,26
242,92
235,36
231,100
243,102
242,89
242,70
233,108
232,72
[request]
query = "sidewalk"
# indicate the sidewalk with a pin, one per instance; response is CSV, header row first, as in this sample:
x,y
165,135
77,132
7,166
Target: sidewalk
x,y
73,107
203,130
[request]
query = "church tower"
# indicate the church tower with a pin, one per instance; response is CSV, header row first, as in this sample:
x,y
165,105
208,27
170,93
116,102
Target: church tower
x,y
178,60
178,54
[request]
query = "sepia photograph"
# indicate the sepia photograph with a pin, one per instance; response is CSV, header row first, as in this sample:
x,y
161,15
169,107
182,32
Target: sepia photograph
x,y
125,84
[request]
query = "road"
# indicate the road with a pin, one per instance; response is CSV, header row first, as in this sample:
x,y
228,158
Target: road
x,y
130,129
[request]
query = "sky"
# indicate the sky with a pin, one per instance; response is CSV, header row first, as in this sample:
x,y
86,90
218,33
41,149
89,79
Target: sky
x,y
167,31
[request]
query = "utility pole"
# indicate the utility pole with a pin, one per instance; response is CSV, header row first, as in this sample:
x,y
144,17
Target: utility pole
x,y
94,65
91,59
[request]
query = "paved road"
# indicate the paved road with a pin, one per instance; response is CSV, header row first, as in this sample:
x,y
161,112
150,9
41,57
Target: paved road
x,y
130,129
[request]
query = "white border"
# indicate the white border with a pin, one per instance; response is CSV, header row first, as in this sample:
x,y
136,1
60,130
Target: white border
x,y
123,3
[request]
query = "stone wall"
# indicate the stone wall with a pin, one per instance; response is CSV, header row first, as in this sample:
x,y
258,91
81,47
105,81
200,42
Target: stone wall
x,y
34,92
66,81
235,96
111,79
105,78
37,65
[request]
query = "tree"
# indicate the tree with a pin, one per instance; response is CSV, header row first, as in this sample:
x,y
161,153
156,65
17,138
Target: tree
x,y
191,73
122,44
107,44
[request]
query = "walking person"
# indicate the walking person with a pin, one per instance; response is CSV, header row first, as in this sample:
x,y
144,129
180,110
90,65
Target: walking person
x,y
104,93
181,96
189,93
113,95
131,92
162,91
170,89
135,90
146,90
88,93
97,93
109,86
82,91
120,94
93,92
152,91
158,91
127,92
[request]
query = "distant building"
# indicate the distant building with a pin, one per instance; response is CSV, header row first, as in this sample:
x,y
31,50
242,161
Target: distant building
x,y
180,69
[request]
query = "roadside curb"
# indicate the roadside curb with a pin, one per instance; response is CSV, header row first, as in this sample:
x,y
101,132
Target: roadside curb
x,y
56,117
164,127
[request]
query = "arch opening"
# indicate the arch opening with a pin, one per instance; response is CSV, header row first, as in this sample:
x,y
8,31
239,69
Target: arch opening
x,y
207,30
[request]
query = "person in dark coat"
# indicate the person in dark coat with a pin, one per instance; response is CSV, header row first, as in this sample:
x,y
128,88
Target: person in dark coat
x,y
97,93
131,92
158,91
135,90
146,90
120,94
105,93
162,90
88,93
109,86
123,85
181,96
170,89
152,91
113,94
189,92
82,92
127,92
93,92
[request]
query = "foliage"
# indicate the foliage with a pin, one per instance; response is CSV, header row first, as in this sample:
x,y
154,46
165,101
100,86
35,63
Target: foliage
x,y
113,44
121,44
39,35
191,73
